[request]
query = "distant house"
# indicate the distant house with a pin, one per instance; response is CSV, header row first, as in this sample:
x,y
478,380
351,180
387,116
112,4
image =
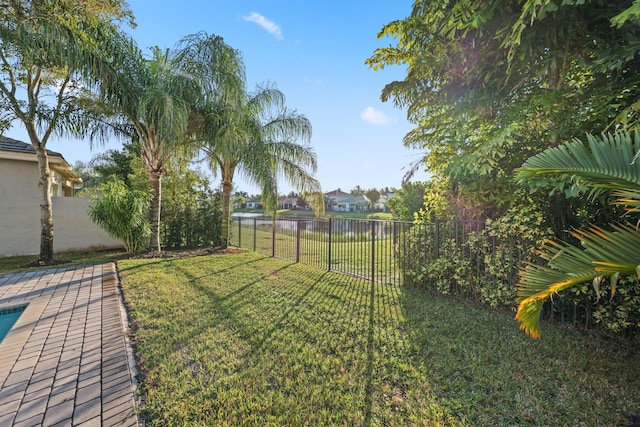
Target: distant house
x,y
20,204
240,202
288,203
339,201
253,204
381,204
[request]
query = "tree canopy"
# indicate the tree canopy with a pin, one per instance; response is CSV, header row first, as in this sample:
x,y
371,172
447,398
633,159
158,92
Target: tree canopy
x,y
491,83
55,57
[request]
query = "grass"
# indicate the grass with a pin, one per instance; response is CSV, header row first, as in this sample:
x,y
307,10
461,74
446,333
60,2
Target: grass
x,y
249,340
349,254
21,263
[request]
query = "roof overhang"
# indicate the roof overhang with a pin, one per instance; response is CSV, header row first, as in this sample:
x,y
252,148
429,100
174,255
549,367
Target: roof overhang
x,y
56,162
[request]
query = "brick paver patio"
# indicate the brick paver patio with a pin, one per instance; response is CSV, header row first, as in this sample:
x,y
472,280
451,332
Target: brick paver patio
x,y
65,362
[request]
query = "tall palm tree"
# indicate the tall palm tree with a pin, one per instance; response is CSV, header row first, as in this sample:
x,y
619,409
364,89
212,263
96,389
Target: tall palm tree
x,y
608,163
52,55
151,106
155,99
252,134
257,138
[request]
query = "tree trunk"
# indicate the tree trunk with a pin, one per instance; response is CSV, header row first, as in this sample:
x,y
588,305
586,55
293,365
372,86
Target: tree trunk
x,y
227,187
46,208
155,181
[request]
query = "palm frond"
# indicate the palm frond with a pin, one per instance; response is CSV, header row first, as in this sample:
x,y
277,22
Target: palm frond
x,y
603,253
606,162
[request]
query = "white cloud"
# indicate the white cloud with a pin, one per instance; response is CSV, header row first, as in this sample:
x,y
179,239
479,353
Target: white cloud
x,y
312,81
374,116
270,26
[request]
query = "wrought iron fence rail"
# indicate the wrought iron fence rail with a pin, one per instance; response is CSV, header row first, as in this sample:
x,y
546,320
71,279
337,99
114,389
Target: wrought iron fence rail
x,y
391,252
364,248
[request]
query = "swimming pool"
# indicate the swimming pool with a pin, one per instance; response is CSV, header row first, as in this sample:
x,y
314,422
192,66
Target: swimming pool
x,y
8,317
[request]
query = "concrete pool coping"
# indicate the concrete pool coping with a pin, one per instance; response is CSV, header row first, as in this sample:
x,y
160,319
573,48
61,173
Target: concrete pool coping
x,y
66,360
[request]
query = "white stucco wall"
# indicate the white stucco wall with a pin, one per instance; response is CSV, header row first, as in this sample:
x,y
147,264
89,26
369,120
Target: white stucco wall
x,y
20,215
74,230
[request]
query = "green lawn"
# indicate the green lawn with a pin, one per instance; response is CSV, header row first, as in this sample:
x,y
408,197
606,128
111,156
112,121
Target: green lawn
x,y
248,340
18,263
349,254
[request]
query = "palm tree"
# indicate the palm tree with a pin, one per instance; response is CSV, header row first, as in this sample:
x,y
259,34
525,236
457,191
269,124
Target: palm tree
x,y
151,107
251,134
52,55
155,100
257,138
606,164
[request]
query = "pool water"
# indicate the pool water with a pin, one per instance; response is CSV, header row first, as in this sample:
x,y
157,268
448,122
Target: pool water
x,y
8,317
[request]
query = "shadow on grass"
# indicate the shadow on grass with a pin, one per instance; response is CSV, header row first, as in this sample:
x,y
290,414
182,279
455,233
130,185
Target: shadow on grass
x,y
256,340
487,372
163,262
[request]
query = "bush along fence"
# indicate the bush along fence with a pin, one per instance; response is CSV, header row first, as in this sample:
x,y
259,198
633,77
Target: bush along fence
x,y
470,259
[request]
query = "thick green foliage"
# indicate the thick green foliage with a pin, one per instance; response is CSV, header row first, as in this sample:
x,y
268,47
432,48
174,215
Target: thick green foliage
x,y
407,201
193,223
191,211
123,213
490,83
481,265
607,163
485,266
515,237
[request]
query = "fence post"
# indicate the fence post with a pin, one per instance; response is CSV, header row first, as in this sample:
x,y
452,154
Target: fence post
x,y
329,249
255,233
437,238
298,240
373,251
239,232
273,237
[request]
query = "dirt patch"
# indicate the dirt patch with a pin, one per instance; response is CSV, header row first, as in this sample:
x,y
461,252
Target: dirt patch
x,y
43,264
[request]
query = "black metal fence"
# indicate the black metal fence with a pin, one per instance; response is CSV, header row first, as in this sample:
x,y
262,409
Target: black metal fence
x,y
446,256
371,249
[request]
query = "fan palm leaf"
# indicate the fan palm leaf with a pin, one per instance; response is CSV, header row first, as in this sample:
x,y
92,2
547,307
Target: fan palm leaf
x,y
606,163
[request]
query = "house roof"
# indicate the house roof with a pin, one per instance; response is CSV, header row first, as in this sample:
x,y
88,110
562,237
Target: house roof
x,y
17,150
337,193
355,198
289,200
15,146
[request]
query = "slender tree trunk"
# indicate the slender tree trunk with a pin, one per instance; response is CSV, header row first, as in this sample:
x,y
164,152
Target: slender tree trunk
x,y
155,180
46,208
227,187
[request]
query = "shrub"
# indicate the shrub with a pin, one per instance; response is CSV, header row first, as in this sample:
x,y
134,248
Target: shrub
x,y
465,259
514,238
123,213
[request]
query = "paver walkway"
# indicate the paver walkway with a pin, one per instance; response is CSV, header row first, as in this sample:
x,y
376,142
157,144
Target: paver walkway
x,y
64,362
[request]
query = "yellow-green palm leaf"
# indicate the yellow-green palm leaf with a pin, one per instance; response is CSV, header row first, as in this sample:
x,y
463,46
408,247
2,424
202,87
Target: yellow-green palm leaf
x,y
603,253
606,163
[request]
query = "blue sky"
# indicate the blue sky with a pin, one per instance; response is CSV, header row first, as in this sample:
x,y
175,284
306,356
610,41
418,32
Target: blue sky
x,y
314,52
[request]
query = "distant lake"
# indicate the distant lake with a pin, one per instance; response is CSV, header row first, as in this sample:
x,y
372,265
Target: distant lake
x,y
246,214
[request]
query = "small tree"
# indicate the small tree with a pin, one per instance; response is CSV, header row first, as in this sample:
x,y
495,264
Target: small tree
x,y
373,195
123,213
407,201
54,55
